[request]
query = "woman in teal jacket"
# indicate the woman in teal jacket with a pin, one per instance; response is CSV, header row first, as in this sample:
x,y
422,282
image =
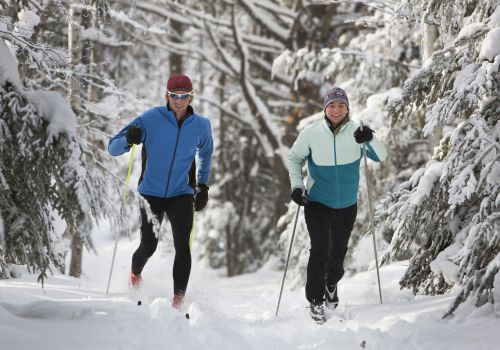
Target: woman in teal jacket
x,y
171,136
332,147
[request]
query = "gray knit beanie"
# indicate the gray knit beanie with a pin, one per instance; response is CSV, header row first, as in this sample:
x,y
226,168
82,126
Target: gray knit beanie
x,y
335,94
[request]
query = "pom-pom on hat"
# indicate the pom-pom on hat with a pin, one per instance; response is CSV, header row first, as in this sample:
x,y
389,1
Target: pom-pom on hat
x,y
335,94
179,82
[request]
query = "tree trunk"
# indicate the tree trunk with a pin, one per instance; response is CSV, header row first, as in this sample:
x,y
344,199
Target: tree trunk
x,y
75,266
223,169
176,66
74,47
87,55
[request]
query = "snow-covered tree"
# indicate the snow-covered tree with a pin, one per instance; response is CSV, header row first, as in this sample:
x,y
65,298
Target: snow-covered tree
x,y
451,205
58,154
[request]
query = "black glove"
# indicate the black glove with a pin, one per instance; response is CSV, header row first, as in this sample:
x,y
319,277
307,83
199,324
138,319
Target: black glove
x,y
298,197
200,197
134,135
365,135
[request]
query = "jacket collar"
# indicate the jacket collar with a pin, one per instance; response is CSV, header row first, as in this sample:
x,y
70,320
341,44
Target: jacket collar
x,y
339,127
189,112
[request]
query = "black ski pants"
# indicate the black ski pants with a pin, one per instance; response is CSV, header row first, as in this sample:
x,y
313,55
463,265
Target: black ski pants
x,y
180,213
329,231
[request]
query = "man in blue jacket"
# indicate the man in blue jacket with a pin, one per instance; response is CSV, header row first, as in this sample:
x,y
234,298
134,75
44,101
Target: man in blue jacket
x,y
171,136
332,147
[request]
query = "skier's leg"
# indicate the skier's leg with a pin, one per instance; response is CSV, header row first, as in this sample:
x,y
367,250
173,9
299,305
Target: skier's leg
x,y
317,222
149,241
342,222
180,214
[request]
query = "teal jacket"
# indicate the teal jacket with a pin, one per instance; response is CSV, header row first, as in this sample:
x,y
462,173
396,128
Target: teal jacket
x,y
332,163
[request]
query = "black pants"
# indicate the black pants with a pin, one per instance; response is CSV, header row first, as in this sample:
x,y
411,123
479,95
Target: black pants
x,y
180,213
329,231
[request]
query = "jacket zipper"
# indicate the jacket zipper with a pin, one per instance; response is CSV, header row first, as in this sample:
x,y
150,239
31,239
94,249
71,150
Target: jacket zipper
x,y
336,168
173,158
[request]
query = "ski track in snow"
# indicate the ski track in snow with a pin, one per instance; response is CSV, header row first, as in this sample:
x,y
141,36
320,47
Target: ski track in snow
x,y
225,313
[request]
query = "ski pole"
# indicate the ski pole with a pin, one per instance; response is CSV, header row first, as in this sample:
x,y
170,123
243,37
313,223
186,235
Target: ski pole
x,y
288,259
125,196
371,216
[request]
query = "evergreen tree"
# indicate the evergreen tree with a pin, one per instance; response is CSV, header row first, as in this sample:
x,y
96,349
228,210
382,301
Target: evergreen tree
x,y
58,155
451,205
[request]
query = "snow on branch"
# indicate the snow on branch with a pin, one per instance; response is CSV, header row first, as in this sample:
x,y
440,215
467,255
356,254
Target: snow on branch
x,y
280,10
227,58
42,55
97,36
272,143
264,19
120,16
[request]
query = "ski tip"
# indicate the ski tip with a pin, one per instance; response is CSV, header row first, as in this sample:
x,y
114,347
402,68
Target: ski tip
x,y
139,303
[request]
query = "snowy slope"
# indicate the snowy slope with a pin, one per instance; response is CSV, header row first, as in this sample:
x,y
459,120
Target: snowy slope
x,y
225,313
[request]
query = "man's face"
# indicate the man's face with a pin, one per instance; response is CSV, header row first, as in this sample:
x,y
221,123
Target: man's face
x,y
178,101
336,112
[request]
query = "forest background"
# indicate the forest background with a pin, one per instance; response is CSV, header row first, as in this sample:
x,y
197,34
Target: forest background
x,y
423,74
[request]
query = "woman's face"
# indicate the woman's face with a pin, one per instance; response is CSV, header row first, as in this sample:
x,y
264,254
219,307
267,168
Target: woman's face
x,y
336,112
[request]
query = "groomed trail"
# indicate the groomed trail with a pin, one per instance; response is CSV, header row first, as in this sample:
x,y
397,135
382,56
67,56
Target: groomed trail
x,y
225,313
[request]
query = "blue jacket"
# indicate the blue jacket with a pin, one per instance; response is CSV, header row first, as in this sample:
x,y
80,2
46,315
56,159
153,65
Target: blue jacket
x,y
332,163
170,151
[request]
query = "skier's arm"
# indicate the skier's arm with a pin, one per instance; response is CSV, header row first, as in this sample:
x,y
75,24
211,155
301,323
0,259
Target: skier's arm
x,y
298,153
375,150
118,144
205,150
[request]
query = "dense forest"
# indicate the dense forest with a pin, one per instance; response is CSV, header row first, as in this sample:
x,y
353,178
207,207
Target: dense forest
x,y
423,74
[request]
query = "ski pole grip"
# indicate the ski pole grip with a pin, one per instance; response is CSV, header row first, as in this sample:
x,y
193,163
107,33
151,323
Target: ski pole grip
x,y
361,126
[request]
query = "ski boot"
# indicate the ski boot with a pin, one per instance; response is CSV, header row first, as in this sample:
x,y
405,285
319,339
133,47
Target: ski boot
x,y
317,312
178,301
135,281
331,297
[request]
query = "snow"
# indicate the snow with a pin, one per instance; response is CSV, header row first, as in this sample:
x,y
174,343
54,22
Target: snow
x,y
225,313
8,66
490,47
98,36
55,109
469,30
27,22
495,18
443,264
432,174
52,105
265,20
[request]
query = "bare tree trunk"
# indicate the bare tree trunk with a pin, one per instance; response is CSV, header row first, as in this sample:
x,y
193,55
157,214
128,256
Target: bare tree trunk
x,y
176,66
74,47
87,54
431,33
223,169
75,266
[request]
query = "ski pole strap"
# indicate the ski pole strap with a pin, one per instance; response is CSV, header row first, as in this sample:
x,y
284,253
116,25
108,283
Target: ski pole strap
x,y
127,180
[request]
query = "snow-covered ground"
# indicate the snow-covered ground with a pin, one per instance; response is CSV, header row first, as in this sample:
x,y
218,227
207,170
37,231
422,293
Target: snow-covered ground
x,y
225,313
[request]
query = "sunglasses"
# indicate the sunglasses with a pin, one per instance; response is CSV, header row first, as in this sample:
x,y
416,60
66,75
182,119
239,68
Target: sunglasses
x,y
182,96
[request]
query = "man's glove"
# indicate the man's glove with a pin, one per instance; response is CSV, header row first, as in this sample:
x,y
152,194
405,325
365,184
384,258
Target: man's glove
x,y
134,135
200,197
365,135
298,197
